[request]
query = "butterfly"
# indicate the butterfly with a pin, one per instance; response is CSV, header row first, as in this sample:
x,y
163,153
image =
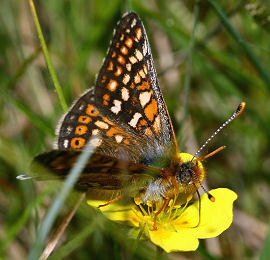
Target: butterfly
x,y
127,113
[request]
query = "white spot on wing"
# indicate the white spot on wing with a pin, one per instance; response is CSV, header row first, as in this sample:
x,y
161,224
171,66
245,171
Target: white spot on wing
x,y
117,106
145,98
132,59
144,48
96,142
118,138
101,124
66,143
125,94
128,66
138,54
133,23
68,130
81,107
133,122
126,79
95,132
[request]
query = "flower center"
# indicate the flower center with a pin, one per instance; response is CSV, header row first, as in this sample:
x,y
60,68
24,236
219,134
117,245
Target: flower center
x,y
147,213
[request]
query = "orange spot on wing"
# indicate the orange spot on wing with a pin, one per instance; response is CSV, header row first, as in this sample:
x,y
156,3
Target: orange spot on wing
x,y
124,50
151,110
81,130
144,86
138,33
110,66
129,42
112,131
113,54
77,142
141,123
106,99
156,124
84,119
103,79
126,141
112,85
121,59
105,119
148,131
91,110
118,71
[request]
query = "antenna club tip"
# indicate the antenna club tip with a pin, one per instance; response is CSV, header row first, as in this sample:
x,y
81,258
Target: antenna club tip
x,y
241,106
240,109
212,198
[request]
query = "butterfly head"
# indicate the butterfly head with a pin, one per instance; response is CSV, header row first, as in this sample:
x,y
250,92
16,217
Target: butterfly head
x,y
189,172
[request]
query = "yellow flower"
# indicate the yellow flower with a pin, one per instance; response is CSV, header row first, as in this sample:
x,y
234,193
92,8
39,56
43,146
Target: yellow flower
x,y
178,228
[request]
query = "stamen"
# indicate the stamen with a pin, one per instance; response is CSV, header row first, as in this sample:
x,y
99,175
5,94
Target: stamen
x,y
138,202
177,214
148,210
171,205
142,209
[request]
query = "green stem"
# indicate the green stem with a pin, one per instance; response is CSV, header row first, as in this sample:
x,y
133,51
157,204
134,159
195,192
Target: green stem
x,y
47,58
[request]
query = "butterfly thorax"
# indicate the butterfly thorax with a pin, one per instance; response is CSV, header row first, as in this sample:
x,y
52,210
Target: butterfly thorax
x,y
181,179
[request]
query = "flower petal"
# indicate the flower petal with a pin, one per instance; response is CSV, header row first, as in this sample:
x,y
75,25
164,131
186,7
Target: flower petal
x,y
215,216
174,241
117,212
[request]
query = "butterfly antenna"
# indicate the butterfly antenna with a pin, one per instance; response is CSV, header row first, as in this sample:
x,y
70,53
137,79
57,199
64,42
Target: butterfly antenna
x,y
237,113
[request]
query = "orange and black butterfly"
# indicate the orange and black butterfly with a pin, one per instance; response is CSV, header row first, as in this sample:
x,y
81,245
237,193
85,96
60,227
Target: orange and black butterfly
x,y
136,141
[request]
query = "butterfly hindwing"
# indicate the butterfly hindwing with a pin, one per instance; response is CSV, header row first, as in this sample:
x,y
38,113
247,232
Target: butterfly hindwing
x,y
101,172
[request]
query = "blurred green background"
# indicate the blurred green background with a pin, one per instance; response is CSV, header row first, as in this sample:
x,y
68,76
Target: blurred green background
x,y
203,79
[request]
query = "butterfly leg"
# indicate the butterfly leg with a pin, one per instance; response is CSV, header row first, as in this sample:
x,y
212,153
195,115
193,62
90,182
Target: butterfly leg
x,y
164,205
111,201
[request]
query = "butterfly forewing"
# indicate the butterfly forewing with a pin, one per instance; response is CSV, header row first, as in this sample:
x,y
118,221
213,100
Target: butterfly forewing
x,y
125,108
127,88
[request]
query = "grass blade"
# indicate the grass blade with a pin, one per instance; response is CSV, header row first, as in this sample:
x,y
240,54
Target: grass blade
x,y
236,35
48,59
46,225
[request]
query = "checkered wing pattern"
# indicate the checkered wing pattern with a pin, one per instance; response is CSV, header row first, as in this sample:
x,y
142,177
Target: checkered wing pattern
x,y
125,108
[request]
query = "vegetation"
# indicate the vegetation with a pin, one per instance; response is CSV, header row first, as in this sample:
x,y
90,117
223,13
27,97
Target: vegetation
x,y
209,55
